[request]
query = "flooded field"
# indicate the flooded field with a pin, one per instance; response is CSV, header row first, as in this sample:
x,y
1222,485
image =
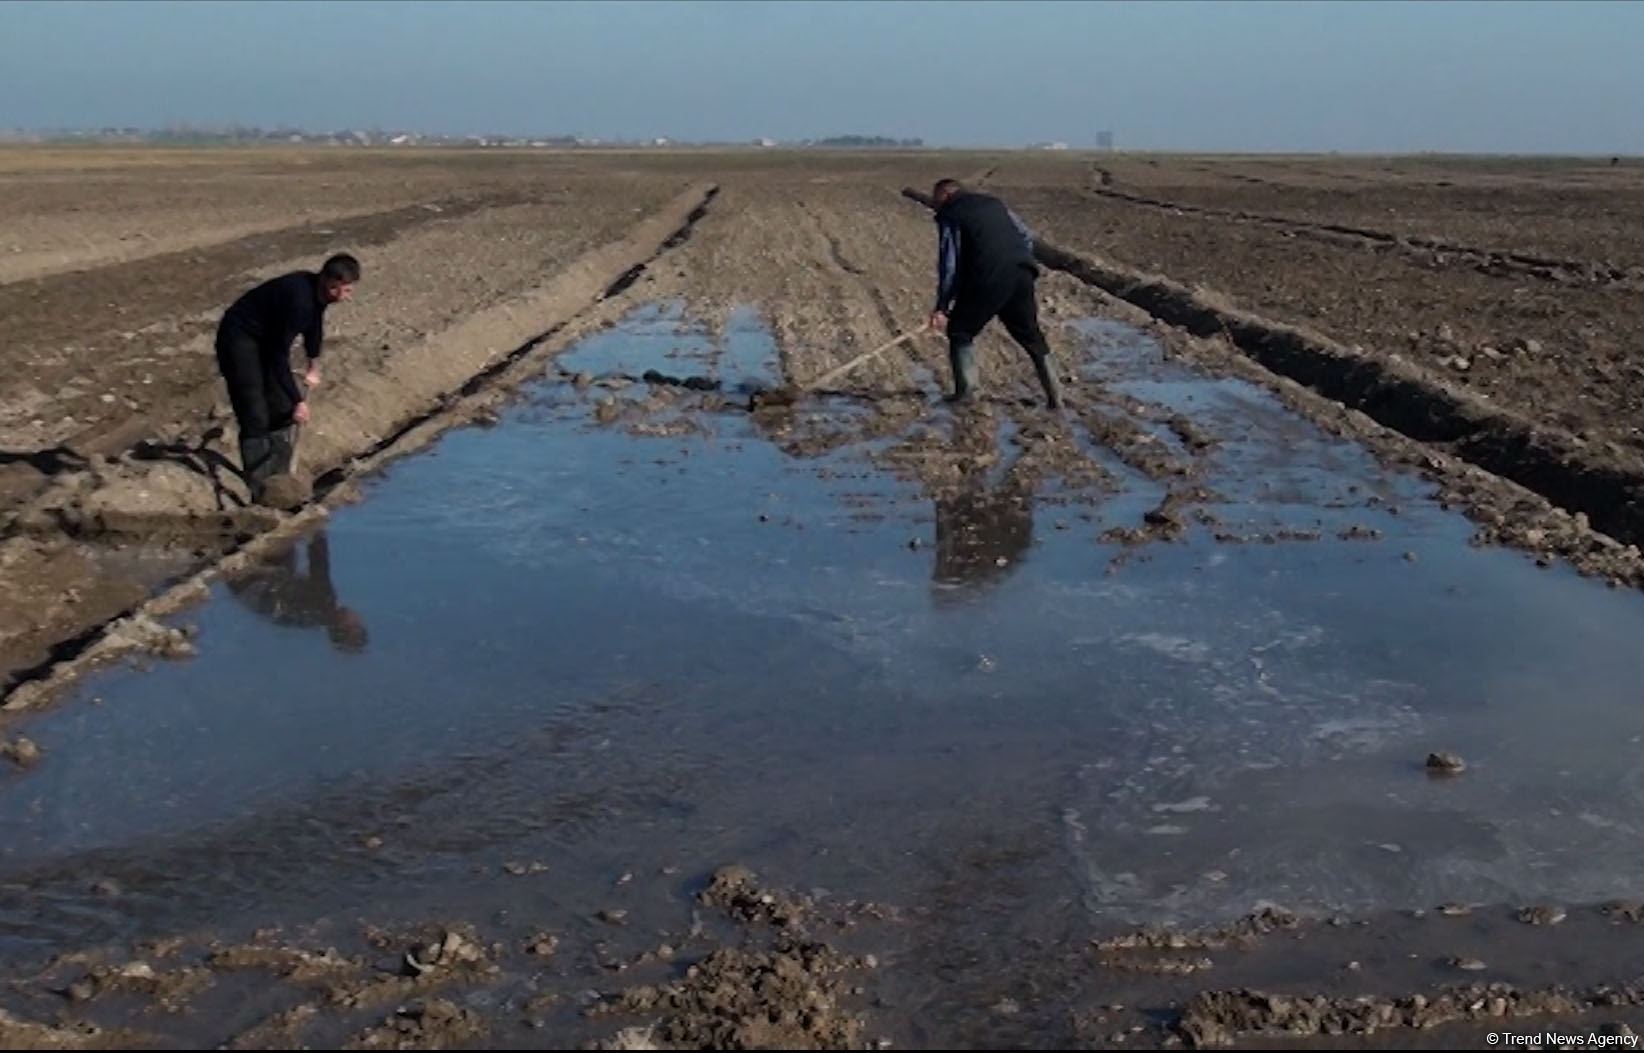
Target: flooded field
x,y
979,687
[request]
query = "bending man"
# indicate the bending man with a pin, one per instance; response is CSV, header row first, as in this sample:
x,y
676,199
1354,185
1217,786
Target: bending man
x,y
986,270
254,355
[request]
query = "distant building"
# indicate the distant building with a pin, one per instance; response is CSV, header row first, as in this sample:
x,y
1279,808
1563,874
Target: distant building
x,y
1048,146
766,143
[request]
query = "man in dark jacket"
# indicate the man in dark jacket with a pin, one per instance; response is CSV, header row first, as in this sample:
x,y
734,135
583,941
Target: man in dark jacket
x,y
986,270
254,355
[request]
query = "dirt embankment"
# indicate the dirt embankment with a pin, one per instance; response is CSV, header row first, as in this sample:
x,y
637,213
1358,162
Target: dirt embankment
x,y
1519,414
1457,291
449,303
463,273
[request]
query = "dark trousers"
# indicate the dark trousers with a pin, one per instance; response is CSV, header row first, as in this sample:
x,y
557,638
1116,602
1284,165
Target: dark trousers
x,y
262,407
1012,298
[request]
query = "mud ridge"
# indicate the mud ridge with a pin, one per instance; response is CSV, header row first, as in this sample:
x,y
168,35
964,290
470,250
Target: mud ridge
x,y
24,298
1218,1018
479,381
1487,261
101,641
673,241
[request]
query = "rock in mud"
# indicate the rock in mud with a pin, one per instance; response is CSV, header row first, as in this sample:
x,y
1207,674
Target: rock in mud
x,y
1624,910
21,752
1194,437
1218,1018
1445,763
1542,914
1167,520
1470,965
1242,930
452,949
169,991
736,891
1168,966
434,1024
607,411
785,998
285,492
630,1038
653,376
18,1033
142,633
290,963
583,379
81,990
486,417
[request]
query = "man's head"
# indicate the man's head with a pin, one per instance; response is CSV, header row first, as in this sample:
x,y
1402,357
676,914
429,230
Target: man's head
x,y
337,278
347,631
946,190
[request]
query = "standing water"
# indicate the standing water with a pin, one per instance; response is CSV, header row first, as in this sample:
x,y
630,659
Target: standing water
x,y
634,630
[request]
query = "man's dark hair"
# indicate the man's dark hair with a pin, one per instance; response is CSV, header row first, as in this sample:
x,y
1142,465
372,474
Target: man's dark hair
x,y
945,186
341,268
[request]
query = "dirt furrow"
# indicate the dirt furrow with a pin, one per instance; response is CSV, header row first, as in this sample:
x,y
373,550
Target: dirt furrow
x,y
1602,487
1432,253
49,629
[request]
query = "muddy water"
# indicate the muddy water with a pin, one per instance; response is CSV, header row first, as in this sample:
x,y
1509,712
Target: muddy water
x,y
644,640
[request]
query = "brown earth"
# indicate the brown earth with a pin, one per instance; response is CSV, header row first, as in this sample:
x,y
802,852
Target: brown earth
x,y
1561,347
118,469
107,506
846,976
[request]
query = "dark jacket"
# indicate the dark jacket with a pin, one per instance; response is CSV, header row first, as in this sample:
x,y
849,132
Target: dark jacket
x,y
982,244
273,315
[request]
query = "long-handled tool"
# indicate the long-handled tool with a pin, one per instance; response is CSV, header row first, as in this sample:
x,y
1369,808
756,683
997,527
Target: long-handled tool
x,y
788,394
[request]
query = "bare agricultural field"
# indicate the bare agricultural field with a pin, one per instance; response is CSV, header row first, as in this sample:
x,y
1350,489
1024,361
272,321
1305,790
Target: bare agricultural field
x,y
1108,727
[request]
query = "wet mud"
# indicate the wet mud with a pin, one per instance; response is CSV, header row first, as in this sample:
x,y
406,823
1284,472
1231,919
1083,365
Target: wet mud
x,y
631,718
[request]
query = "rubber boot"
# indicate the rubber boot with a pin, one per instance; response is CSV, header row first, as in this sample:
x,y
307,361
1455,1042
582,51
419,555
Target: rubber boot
x,y
256,463
962,357
1045,366
283,450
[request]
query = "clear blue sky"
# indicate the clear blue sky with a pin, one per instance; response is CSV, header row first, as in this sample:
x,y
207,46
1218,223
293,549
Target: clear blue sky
x,y
1373,76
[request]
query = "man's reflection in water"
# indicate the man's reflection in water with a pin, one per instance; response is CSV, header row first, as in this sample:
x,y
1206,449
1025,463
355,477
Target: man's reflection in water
x,y
280,592
982,534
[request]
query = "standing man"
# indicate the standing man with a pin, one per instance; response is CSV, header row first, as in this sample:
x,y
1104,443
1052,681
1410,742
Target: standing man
x,y
986,270
254,356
